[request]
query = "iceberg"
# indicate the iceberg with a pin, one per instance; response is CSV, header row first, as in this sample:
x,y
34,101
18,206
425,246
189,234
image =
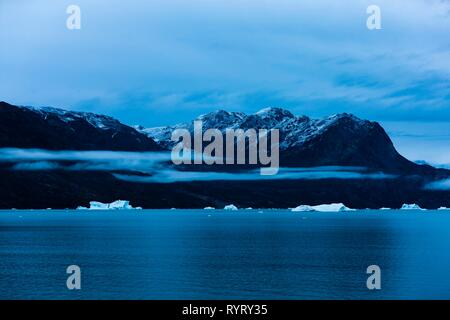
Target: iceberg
x,y
116,205
333,207
443,208
384,208
411,207
209,208
230,207
303,208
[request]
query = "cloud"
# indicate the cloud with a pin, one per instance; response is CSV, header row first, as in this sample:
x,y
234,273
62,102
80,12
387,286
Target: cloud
x,y
160,62
319,173
438,185
38,165
37,159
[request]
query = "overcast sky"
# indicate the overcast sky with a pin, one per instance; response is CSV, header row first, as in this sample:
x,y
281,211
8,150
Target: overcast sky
x,y
165,61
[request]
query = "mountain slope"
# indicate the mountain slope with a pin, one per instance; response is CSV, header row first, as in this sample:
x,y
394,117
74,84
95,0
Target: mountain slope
x,y
57,129
341,139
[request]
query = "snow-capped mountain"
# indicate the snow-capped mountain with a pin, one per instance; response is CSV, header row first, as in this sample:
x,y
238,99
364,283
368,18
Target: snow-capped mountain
x,y
96,120
58,129
294,130
340,139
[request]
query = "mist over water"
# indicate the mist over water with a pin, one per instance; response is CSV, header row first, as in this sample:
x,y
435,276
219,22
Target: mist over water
x,y
315,173
158,169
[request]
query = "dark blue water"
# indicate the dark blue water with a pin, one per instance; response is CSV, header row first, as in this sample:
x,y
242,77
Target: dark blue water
x,y
199,254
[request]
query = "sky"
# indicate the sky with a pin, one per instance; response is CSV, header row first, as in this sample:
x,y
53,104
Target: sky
x,y
161,62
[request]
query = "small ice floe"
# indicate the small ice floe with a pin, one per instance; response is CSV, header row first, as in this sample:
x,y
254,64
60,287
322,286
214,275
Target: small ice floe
x,y
230,207
443,208
384,208
411,207
333,207
116,205
249,208
209,208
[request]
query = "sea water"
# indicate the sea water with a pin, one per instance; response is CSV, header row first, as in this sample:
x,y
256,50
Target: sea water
x,y
216,254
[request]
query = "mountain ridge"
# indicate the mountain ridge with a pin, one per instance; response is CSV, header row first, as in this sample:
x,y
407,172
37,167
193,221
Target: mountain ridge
x,y
338,139
59,129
